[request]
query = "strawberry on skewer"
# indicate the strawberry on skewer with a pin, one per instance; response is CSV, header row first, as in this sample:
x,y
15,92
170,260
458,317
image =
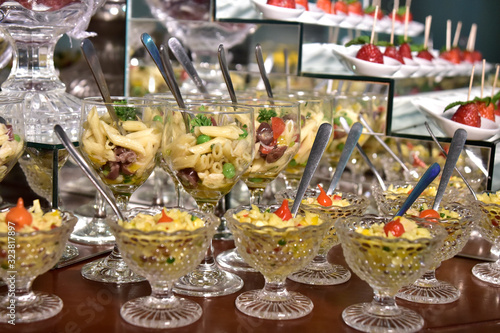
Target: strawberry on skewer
x,y
390,50
424,53
282,3
404,48
371,52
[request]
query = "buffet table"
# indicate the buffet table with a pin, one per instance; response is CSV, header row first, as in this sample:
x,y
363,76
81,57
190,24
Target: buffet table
x,y
94,307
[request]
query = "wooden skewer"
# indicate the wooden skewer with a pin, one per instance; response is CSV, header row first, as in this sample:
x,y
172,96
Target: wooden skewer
x,y
472,36
373,27
407,19
482,78
448,35
428,21
393,25
457,34
471,79
495,82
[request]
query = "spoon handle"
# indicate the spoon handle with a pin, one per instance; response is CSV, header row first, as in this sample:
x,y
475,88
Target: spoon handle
x,y
181,55
350,144
150,46
446,155
424,181
90,56
225,73
167,65
318,147
456,146
262,69
86,169
365,157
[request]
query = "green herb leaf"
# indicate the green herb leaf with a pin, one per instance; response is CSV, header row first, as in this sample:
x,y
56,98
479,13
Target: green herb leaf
x,y
359,40
200,120
245,132
265,115
125,113
452,105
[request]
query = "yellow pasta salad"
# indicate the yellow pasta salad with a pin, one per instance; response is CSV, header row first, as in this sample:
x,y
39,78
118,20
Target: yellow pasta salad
x,y
29,220
11,146
168,220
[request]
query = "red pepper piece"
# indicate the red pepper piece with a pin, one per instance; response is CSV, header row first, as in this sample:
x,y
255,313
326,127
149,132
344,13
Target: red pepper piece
x,y
284,211
323,198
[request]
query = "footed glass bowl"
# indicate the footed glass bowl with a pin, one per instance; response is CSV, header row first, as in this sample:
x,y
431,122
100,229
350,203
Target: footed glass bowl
x,y
162,257
35,253
489,228
428,289
276,253
386,265
319,271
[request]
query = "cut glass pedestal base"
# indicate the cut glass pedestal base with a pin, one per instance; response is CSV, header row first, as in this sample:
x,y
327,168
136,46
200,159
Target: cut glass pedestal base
x,y
429,292
254,304
70,252
361,318
321,274
111,270
231,260
487,272
39,306
140,313
92,231
208,281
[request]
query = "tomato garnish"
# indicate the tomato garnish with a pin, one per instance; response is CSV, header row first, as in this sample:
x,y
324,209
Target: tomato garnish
x,y
417,161
394,227
430,215
278,126
323,198
284,211
164,218
337,197
19,215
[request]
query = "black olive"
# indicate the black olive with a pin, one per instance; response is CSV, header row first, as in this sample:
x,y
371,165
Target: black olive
x,y
275,154
188,177
265,134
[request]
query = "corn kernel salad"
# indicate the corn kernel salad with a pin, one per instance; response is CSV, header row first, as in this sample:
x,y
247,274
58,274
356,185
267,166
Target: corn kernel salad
x,y
400,227
168,220
29,220
268,218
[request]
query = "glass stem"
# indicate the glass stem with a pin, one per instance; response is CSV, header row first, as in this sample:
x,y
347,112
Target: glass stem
x,y
24,295
208,262
256,195
274,290
122,201
428,279
383,304
161,297
100,205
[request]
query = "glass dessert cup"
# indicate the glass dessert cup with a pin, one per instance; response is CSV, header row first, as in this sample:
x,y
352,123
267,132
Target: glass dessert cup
x,y
92,229
12,134
488,226
123,162
319,271
385,264
271,156
162,257
390,200
35,253
427,288
208,147
315,109
276,253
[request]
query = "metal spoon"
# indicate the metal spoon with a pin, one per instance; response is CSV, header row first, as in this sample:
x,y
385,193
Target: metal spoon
x,y
181,55
87,170
350,143
424,181
90,56
262,69
176,91
318,147
225,73
446,155
345,125
387,148
456,146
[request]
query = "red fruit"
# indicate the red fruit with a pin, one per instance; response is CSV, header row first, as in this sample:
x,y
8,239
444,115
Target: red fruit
x,y
401,15
451,55
325,5
303,3
355,8
430,215
370,10
405,50
323,199
340,7
284,211
282,3
486,111
394,227
390,51
472,56
371,53
467,114
425,54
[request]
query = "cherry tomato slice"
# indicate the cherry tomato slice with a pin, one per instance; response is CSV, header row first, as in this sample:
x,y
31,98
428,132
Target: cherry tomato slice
x,y
164,218
394,227
284,211
323,199
19,215
278,126
430,215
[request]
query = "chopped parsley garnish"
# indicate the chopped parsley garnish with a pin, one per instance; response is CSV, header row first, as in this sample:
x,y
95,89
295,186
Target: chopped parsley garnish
x,y
245,132
170,260
200,120
265,115
282,242
125,113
